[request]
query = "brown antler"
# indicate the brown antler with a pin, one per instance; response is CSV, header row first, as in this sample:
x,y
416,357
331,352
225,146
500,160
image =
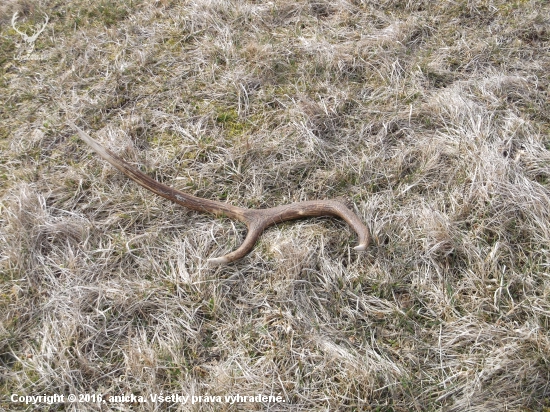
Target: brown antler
x,y
255,219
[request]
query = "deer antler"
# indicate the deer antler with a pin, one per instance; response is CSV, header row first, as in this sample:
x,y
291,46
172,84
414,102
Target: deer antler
x,y
255,219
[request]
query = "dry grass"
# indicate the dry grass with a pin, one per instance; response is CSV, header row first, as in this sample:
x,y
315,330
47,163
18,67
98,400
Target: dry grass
x,y
432,118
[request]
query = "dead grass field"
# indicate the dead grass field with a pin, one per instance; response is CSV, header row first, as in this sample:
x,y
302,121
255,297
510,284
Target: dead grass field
x,y
431,118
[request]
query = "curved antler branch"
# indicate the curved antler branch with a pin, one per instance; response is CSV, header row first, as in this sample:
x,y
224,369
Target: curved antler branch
x,y
255,229
256,220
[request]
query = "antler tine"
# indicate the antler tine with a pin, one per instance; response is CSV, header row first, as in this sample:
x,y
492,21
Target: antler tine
x,y
256,220
255,229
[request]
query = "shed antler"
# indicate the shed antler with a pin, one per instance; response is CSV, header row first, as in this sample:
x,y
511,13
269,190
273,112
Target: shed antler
x,y
256,220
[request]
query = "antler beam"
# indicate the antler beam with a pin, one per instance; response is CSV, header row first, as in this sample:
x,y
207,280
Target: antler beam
x,y
256,220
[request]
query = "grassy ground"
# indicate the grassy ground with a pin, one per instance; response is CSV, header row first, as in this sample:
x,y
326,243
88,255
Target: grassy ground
x,y
431,118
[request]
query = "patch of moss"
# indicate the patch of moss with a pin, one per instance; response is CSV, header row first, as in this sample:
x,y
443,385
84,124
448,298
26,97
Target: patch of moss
x,y
108,12
7,50
229,119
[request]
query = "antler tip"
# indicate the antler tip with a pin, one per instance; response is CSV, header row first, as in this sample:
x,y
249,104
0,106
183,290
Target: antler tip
x,y
361,248
218,261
